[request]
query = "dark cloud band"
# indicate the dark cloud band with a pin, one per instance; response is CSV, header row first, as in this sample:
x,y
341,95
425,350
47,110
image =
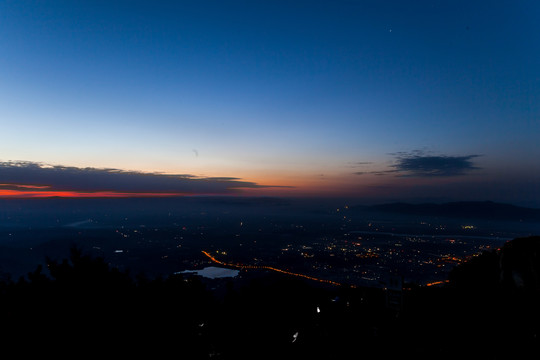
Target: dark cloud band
x,y
64,178
428,166
420,164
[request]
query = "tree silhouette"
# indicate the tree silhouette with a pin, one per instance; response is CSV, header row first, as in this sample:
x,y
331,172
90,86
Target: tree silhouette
x,y
85,303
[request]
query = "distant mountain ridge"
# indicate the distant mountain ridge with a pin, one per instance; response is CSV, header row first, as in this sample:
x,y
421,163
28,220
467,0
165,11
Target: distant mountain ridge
x,y
469,209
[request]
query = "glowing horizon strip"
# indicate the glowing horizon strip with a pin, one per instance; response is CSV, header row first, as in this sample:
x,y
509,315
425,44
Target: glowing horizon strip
x,y
78,194
242,266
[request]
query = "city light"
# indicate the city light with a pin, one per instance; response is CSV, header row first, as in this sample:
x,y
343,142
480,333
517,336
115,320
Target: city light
x,y
242,266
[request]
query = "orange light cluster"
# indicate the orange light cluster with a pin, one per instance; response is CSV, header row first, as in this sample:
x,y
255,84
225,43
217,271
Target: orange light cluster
x,y
437,283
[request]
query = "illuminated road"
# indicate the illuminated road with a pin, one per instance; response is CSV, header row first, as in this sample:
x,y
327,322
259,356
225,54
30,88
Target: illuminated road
x,y
438,283
259,267
242,266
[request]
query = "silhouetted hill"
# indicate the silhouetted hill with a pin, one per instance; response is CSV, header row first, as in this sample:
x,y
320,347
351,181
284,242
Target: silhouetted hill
x,y
84,305
81,306
515,266
488,310
467,209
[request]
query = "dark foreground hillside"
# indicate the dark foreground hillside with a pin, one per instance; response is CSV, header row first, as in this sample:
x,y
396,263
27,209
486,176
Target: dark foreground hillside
x,y
81,307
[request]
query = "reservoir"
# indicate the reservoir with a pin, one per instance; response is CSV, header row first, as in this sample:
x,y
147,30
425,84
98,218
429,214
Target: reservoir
x,y
212,272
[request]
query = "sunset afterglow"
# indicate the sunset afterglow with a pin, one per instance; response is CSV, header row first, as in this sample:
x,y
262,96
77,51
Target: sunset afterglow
x,y
74,194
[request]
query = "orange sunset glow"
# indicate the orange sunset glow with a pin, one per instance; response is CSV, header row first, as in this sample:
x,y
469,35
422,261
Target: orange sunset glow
x,y
78,194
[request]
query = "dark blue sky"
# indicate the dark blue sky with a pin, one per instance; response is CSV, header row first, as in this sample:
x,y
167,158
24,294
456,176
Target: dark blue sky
x,y
334,98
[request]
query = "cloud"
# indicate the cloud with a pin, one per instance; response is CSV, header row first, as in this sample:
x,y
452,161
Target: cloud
x,y
420,164
31,176
358,164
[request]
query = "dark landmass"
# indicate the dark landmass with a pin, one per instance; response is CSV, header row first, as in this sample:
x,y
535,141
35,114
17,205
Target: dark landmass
x,y
315,237
467,209
81,306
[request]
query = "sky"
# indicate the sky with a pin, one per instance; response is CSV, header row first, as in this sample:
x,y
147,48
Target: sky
x,y
369,100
